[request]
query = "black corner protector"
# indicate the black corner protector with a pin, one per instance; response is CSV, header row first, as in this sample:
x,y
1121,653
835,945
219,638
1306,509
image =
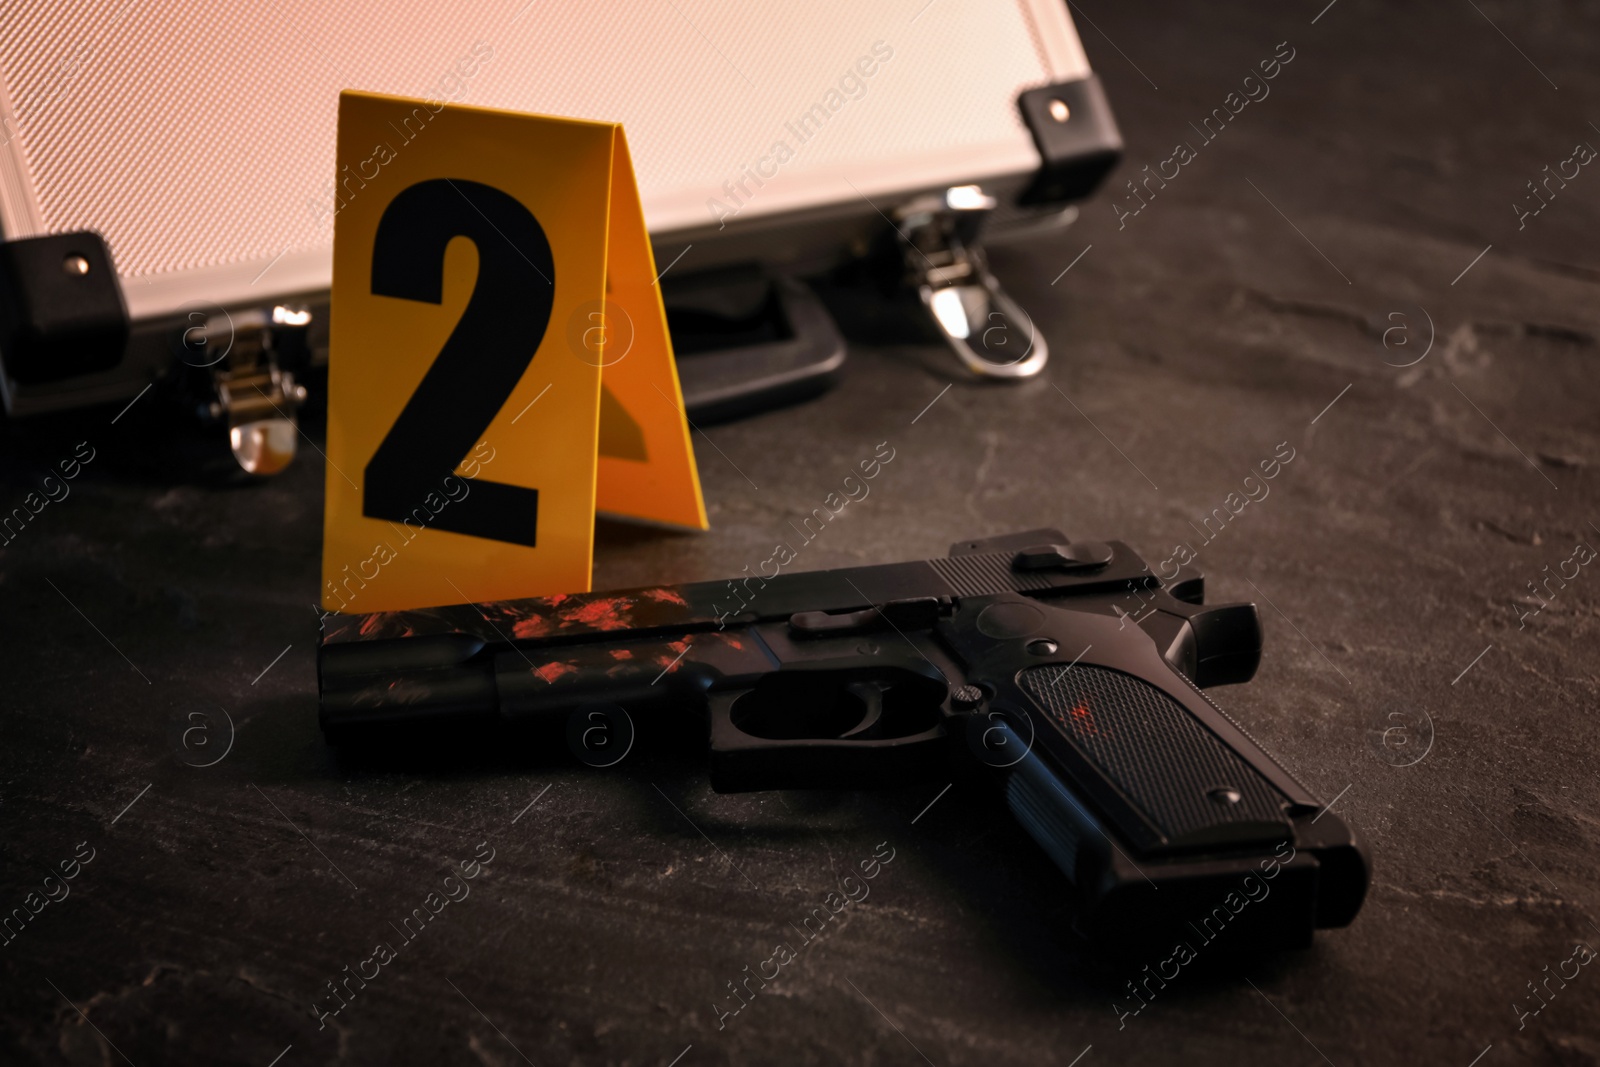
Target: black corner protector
x,y
1076,136
61,308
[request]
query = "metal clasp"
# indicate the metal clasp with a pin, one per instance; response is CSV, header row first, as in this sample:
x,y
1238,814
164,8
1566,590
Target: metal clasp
x,y
259,398
987,330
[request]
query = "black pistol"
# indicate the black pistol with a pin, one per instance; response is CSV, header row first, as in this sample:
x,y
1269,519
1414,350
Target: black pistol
x,y
1064,675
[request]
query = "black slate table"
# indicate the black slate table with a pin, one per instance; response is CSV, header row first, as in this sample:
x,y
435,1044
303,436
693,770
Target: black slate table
x,y
1351,266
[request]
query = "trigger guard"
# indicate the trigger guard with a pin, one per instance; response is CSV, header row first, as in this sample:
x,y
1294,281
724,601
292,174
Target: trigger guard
x,y
742,762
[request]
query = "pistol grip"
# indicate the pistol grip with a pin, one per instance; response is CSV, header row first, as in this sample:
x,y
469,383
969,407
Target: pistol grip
x,y
1151,800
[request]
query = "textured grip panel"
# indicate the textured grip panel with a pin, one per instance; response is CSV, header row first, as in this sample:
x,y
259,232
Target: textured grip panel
x,y
1163,760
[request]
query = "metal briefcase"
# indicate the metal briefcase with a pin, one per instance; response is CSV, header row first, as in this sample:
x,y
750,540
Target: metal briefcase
x,y
164,165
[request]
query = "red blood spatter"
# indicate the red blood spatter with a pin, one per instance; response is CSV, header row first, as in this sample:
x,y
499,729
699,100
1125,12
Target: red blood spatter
x,y
621,653
555,669
681,645
1083,719
530,626
666,596
371,624
604,613
557,600
497,611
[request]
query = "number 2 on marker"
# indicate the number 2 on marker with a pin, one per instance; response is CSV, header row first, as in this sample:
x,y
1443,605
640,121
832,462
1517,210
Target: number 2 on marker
x,y
480,364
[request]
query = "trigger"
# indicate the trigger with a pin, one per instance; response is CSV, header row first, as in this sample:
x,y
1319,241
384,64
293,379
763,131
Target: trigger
x,y
871,696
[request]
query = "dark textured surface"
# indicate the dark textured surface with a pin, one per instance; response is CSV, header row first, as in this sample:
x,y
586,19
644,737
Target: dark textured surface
x,y
1393,549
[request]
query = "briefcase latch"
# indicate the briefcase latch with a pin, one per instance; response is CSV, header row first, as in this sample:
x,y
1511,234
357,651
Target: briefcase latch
x,y
987,330
259,398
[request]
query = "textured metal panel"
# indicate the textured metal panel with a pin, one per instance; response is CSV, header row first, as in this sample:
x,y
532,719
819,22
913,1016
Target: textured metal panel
x,y
1038,805
198,135
985,574
1156,753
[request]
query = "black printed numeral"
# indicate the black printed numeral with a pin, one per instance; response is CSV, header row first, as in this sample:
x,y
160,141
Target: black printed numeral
x,y
479,365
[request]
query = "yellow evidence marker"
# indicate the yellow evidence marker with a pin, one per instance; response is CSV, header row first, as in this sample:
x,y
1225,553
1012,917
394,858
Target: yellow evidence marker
x,y
499,364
